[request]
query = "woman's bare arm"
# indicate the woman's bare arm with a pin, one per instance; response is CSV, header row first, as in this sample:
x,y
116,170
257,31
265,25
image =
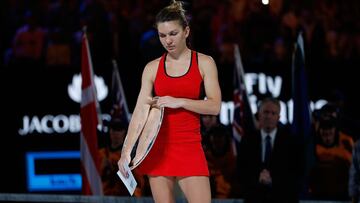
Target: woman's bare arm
x,y
142,107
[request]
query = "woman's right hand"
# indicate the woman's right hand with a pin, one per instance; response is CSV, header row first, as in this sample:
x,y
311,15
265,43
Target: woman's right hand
x,y
124,160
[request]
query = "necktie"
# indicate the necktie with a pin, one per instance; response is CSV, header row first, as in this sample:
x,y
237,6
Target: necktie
x,y
267,150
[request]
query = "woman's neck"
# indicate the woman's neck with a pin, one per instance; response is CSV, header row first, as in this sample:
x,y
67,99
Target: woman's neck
x,y
184,53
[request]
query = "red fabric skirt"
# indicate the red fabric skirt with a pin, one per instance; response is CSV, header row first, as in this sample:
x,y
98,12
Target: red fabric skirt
x,y
175,159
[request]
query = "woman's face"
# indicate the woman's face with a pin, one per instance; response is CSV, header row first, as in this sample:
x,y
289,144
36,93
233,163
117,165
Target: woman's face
x,y
172,35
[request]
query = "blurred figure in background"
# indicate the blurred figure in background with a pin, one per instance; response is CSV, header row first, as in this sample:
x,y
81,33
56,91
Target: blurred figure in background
x,y
354,174
221,162
28,43
208,122
333,150
110,154
269,166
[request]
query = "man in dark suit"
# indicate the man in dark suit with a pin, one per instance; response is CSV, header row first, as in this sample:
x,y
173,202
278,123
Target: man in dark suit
x,y
269,160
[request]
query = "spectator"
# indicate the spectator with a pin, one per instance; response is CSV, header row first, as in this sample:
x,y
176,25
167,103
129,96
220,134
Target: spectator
x,y
221,162
330,174
354,174
271,176
208,122
29,42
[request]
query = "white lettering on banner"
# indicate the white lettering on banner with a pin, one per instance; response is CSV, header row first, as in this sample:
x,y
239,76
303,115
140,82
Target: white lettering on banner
x,y
44,123
227,112
274,85
33,125
61,123
250,81
74,123
50,124
262,83
265,83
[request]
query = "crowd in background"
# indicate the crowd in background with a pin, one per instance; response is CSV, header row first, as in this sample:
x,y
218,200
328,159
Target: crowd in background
x,y
39,34
46,33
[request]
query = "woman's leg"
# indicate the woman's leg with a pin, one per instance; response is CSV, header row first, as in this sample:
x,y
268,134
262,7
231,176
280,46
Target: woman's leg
x,y
196,188
162,189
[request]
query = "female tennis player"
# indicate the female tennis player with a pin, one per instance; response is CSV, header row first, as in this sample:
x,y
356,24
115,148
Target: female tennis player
x,y
177,79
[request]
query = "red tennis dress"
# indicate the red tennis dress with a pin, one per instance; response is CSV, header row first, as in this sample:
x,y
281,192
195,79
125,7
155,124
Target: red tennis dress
x,y
177,150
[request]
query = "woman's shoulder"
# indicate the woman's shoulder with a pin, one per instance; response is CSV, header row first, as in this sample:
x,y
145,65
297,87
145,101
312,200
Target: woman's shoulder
x,y
152,65
151,68
206,63
204,58
154,62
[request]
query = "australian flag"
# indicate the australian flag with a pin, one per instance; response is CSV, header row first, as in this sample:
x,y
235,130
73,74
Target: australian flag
x,y
243,121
